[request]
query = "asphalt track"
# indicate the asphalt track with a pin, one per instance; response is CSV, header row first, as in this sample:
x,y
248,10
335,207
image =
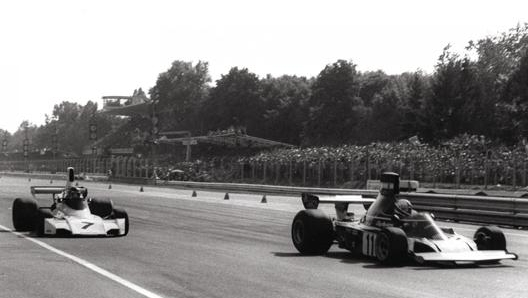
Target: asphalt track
x,y
205,246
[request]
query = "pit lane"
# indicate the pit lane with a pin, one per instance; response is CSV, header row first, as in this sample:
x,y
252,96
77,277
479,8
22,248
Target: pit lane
x,y
205,246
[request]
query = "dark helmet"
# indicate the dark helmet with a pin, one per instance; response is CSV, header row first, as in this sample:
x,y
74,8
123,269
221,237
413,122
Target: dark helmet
x,y
403,208
75,198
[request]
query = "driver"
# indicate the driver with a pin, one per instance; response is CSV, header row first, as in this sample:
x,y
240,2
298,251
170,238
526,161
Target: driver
x,y
403,208
74,198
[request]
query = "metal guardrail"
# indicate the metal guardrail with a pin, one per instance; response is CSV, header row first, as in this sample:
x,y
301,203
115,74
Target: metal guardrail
x,y
468,208
484,209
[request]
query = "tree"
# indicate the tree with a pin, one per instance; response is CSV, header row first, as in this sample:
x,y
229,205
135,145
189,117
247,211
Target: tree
x,y
514,106
179,92
413,122
498,58
235,101
335,110
285,107
444,109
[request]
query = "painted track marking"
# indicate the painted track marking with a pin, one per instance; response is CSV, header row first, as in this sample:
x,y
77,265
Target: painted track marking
x,y
88,265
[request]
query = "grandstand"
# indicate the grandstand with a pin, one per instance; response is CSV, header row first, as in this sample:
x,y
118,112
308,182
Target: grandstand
x,y
135,133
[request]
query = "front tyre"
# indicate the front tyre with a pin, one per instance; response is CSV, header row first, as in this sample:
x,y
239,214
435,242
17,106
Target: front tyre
x,y
391,246
101,207
24,214
490,238
121,213
40,224
312,232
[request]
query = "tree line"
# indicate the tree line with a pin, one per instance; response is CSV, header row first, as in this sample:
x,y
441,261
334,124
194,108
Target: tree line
x,y
483,91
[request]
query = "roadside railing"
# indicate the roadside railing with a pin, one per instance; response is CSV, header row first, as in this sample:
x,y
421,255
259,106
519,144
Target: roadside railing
x,y
468,208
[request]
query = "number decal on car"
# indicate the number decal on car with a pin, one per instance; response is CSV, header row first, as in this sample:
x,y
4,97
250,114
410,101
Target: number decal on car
x,y
369,240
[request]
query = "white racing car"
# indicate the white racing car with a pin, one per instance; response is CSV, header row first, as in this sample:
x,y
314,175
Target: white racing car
x,y
72,213
391,231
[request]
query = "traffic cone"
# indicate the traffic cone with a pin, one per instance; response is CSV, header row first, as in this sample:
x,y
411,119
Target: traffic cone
x,y
51,181
141,189
264,200
193,193
226,197
76,183
109,186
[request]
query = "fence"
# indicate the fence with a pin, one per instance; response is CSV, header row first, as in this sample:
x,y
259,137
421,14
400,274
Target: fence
x,y
128,167
320,173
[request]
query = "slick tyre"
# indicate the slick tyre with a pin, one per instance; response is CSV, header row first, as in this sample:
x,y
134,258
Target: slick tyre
x,y
43,213
101,207
24,214
312,232
120,213
391,246
490,238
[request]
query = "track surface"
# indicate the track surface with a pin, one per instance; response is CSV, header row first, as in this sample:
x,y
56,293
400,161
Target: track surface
x,y
180,246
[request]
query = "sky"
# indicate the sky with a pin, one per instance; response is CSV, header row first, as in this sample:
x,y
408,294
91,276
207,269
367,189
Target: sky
x,y
53,51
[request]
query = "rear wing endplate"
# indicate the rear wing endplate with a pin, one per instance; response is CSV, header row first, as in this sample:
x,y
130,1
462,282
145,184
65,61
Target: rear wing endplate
x,y
311,201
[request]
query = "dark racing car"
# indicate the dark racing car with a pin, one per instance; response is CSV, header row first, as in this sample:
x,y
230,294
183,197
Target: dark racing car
x,y
391,231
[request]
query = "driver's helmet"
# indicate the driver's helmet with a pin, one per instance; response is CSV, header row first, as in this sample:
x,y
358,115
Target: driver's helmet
x,y
74,198
403,208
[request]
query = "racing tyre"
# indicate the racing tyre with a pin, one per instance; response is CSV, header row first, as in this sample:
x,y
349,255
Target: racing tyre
x,y
101,207
42,214
391,246
24,214
121,213
312,232
490,238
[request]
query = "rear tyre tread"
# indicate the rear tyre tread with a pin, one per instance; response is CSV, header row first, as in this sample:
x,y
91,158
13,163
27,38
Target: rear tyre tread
x,y
312,232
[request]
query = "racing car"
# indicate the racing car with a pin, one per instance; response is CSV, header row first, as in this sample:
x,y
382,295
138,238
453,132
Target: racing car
x,y
391,231
72,213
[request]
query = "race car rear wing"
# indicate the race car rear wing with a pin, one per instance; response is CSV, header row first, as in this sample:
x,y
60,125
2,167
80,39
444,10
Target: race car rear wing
x,y
311,201
53,190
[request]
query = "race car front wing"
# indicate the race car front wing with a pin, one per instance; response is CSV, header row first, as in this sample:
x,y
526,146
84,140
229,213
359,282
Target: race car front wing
x,y
462,257
88,227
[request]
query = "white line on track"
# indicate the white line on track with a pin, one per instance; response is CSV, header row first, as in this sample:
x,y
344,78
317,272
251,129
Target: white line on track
x,y
88,265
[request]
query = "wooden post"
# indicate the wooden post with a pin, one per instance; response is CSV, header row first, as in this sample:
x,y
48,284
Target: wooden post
x,y
457,173
351,171
277,173
367,165
514,176
290,173
335,172
319,174
524,173
304,173
264,172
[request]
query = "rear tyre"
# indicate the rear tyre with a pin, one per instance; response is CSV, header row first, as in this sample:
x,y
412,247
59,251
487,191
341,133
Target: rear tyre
x,y
24,214
391,246
312,232
43,213
101,207
490,238
121,213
